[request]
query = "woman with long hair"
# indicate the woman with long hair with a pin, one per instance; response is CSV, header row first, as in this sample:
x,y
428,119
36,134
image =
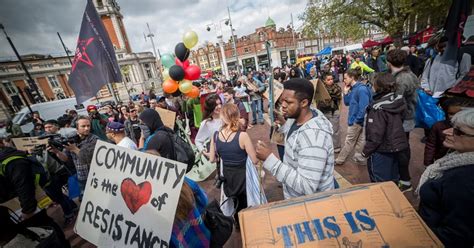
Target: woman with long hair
x,y
210,124
233,147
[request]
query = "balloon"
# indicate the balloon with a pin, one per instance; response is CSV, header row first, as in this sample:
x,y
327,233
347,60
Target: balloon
x,y
170,86
190,39
177,93
167,60
194,92
176,72
184,64
165,74
193,72
181,52
185,86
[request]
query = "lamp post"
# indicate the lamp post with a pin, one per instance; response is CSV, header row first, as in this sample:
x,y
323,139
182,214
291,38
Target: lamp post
x,y
221,46
229,22
270,79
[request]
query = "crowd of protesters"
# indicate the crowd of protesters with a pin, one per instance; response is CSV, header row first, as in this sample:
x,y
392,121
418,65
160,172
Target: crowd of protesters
x,y
379,88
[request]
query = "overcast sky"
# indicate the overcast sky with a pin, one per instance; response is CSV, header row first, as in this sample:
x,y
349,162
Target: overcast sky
x,y
32,24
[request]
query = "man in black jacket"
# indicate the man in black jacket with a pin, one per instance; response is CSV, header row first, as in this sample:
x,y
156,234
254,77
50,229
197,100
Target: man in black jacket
x,y
19,177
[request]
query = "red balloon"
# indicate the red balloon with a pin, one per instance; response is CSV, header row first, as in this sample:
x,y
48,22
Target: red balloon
x,y
170,86
193,72
194,92
184,64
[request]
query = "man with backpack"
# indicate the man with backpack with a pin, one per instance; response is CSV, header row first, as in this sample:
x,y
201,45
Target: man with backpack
x,y
229,97
164,142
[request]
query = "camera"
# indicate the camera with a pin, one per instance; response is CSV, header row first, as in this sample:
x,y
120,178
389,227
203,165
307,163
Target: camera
x,y
57,141
218,180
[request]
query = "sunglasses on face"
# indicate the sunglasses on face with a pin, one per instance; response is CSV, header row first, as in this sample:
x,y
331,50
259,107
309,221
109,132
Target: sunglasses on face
x,y
459,132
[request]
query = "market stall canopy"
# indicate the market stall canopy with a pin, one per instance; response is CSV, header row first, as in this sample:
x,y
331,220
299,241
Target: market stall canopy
x,y
387,40
325,51
370,43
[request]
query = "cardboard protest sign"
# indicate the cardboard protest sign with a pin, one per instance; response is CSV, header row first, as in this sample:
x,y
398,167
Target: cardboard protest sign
x,y
371,215
130,198
28,143
277,91
320,92
167,116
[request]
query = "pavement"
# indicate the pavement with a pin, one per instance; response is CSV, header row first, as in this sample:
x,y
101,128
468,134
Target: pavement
x,y
350,171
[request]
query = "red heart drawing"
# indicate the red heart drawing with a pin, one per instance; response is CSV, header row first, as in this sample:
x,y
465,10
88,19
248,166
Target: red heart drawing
x,y
135,195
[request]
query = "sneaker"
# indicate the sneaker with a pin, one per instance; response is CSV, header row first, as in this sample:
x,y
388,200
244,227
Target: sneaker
x,y
339,162
404,188
253,123
358,158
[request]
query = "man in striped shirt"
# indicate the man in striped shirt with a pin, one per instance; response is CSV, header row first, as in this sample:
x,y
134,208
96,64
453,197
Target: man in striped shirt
x,y
308,163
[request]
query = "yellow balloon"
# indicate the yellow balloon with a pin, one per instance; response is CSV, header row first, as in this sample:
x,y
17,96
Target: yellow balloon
x,y
185,86
190,39
166,74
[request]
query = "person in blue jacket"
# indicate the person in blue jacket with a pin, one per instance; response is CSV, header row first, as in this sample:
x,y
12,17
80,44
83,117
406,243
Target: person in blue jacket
x,y
357,96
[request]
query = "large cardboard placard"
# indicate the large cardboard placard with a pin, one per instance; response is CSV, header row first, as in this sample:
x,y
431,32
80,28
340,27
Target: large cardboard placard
x,y
277,91
28,143
371,215
320,92
167,116
130,198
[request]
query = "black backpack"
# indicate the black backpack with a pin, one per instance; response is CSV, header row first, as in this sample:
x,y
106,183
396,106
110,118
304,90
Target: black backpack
x,y
183,151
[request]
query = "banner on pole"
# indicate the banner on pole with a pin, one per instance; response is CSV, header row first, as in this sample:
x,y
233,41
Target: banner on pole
x,y
94,64
130,198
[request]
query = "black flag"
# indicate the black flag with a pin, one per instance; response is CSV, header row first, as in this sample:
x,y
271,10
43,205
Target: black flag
x,y
95,64
454,28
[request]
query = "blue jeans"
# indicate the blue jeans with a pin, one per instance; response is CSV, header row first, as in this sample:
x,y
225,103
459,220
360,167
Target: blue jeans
x,y
257,109
383,167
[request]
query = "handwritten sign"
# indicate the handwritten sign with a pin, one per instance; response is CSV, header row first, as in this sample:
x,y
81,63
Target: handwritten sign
x,y
371,215
28,143
130,198
277,91
167,116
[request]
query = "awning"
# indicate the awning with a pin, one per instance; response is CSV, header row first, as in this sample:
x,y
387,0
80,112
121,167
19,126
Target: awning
x,y
387,40
303,59
370,43
325,51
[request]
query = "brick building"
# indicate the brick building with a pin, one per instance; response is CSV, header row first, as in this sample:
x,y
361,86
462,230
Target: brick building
x,y
51,74
251,49
207,57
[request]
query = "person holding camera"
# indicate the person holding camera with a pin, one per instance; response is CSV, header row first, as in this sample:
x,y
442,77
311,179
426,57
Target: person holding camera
x,y
59,172
98,122
81,150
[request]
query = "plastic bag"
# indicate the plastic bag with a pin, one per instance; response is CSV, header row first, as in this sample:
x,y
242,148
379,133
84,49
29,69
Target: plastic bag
x,y
427,110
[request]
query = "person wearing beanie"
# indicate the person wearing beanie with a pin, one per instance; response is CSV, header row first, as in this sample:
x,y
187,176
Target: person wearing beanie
x,y
115,132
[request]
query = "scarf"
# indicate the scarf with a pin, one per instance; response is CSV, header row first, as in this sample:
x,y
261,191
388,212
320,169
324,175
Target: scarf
x,y
450,161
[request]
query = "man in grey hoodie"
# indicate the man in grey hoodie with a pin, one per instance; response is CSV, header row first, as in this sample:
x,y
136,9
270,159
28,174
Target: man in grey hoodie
x,y
406,84
308,164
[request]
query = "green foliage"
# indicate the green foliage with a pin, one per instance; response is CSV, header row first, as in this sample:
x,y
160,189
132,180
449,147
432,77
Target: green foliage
x,y
349,18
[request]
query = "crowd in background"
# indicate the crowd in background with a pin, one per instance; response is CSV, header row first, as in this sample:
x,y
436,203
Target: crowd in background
x,y
378,86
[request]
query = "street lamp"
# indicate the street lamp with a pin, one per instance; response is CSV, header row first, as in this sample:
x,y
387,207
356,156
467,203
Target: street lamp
x,y
221,44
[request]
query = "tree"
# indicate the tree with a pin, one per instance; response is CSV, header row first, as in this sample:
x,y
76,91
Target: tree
x,y
352,17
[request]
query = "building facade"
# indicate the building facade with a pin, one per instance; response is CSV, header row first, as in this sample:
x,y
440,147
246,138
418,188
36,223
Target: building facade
x,y
51,74
207,57
252,53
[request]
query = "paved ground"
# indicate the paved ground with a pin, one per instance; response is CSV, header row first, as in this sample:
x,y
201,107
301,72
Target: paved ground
x,y
353,172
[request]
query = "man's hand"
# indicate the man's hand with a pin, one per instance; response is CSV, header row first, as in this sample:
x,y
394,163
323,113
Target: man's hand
x,y
72,148
52,149
429,92
347,89
27,216
262,151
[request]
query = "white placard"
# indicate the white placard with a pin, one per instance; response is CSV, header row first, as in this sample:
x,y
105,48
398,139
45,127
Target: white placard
x,y
130,198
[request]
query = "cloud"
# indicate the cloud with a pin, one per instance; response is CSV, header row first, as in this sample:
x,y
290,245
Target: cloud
x,y
32,25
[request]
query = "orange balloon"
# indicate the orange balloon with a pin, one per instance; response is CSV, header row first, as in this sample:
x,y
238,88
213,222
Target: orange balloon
x,y
194,92
170,86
